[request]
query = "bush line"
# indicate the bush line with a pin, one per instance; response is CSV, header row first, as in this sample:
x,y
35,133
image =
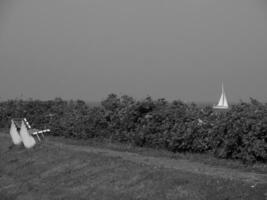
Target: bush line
x,y
240,133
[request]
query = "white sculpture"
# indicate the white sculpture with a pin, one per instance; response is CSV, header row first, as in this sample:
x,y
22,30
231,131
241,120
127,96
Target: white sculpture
x,y
27,139
16,139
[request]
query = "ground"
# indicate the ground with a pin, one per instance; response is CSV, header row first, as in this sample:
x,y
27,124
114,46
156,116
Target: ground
x,y
61,169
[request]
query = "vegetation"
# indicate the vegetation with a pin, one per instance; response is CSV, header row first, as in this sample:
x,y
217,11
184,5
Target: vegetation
x,y
64,169
240,133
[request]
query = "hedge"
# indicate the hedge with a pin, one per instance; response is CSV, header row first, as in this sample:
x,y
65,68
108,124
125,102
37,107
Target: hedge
x,y
240,133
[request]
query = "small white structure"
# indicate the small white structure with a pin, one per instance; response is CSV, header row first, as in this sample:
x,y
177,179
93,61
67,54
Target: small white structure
x,y
223,103
16,139
32,131
27,139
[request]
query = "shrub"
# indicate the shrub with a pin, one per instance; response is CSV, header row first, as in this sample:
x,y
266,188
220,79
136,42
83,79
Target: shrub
x,y
240,133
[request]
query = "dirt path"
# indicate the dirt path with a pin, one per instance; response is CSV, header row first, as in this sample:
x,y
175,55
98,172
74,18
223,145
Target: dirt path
x,y
177,164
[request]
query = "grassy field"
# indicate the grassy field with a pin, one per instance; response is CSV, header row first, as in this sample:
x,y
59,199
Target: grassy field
x,y
65,169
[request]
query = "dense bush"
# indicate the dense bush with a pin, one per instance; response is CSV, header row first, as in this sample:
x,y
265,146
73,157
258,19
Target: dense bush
x,y
240,133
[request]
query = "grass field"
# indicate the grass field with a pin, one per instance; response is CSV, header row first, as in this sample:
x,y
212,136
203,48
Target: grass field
x,y
61,169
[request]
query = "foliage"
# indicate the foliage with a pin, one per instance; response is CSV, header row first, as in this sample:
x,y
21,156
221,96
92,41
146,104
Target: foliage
x,y
240,133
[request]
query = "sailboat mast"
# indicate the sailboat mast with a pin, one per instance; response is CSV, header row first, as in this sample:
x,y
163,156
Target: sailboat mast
x,y
223,93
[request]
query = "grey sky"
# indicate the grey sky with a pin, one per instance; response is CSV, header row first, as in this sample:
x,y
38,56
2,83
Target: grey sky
x,y
177,49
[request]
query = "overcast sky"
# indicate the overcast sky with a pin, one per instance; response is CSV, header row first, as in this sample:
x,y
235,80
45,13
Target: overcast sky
x,y
177,49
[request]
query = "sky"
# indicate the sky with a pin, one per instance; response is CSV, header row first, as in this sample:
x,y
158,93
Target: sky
x,y
173,49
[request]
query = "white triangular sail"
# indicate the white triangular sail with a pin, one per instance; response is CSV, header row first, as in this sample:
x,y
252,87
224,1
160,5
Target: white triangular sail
x,y
27,139
223,103
16,139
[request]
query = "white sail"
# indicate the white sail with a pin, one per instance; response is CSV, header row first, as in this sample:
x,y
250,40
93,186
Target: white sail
x,y
27,139
223,103
16,139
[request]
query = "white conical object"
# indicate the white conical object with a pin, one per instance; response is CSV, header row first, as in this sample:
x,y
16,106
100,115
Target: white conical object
x,y
223,103
27,139
16,139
